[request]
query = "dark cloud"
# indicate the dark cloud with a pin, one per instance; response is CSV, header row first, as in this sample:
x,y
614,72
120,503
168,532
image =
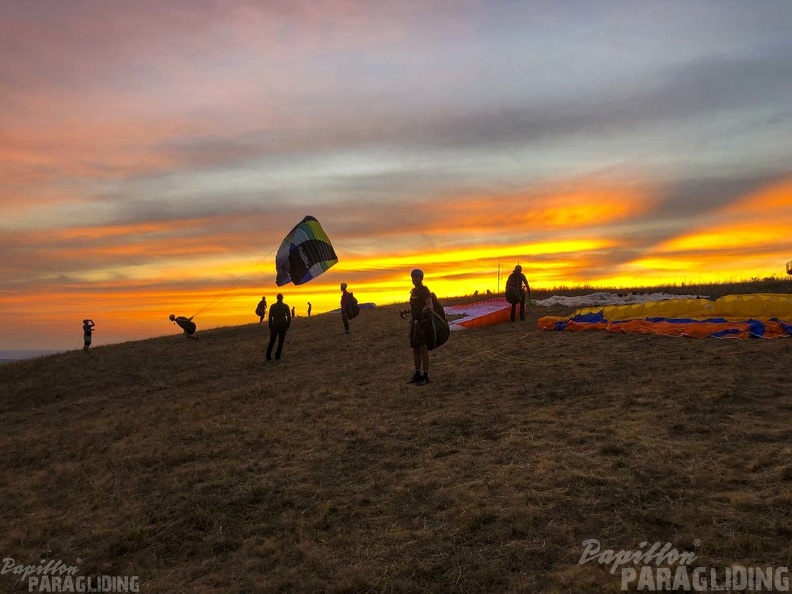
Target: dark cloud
x,y
682,98
693,198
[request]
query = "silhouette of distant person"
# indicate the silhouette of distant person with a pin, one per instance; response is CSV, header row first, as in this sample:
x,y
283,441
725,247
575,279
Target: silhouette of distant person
x,y
420,306
294,315
185,324
279,321
261,309
88,326
515,284
309,309
344,306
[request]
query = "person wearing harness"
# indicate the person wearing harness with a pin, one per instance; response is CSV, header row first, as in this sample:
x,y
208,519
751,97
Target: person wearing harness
x,y
344,306
279,321
185,324
515,293
261,309
420,303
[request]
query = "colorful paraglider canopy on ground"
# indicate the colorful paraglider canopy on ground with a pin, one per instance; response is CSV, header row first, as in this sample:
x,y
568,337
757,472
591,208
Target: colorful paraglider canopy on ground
x,y
491,312
762,315
480,314
304,254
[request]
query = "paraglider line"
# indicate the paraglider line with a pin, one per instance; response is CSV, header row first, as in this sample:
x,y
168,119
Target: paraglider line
x,y
218,299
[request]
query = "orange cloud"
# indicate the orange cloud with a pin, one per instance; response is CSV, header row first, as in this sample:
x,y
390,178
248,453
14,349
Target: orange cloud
x,y
771,201
745,239
543,210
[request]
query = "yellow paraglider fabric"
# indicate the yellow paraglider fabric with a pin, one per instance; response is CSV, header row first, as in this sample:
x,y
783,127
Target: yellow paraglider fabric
x,y
764,315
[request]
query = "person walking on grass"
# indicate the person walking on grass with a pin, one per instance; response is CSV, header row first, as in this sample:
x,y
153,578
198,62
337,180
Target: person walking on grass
x,y
515,293
88,326
185,324
279,321
261,309
420,307
345,307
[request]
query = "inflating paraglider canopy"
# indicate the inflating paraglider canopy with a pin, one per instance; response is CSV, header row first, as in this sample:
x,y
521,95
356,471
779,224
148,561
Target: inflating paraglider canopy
x,y
304,254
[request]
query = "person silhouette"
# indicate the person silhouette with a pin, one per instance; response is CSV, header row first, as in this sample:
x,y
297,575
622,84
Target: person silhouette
x,y
344,307
185,324
261,309
279,322
88,326
420,304
515,293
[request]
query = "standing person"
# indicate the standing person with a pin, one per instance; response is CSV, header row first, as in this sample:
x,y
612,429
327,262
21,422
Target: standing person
x,y
420,302
309,309
88,326
292,313
515,284
185,324
344,306
261,309
279,321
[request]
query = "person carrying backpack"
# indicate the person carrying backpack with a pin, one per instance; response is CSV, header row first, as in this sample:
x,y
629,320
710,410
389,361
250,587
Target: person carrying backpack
x,y
515,293
421,306
279,321
349,307
261,309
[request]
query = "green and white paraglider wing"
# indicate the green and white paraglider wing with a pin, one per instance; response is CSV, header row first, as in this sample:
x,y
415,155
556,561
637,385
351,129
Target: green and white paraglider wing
x,y
304,254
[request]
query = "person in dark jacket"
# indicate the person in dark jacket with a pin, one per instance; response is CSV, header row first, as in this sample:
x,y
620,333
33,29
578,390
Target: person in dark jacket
x,y
515,284
261,309
309,309
279,321
88,326
420,306
344,306
185,324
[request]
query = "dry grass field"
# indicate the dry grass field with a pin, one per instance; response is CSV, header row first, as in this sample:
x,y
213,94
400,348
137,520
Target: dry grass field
x,y
199,468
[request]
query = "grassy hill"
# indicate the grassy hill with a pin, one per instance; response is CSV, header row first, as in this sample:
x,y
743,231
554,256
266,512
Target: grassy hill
x,y
200,468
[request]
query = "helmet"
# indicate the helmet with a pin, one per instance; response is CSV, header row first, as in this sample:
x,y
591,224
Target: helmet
x,y
172,317
417,273
343,286
518,268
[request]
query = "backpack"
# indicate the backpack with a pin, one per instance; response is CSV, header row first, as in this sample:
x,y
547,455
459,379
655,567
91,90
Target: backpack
x,y
352,308
512,294
436,327
438,307
261,309
437,331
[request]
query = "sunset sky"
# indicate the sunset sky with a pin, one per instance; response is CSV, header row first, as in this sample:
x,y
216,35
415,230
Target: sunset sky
x,y
154,154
